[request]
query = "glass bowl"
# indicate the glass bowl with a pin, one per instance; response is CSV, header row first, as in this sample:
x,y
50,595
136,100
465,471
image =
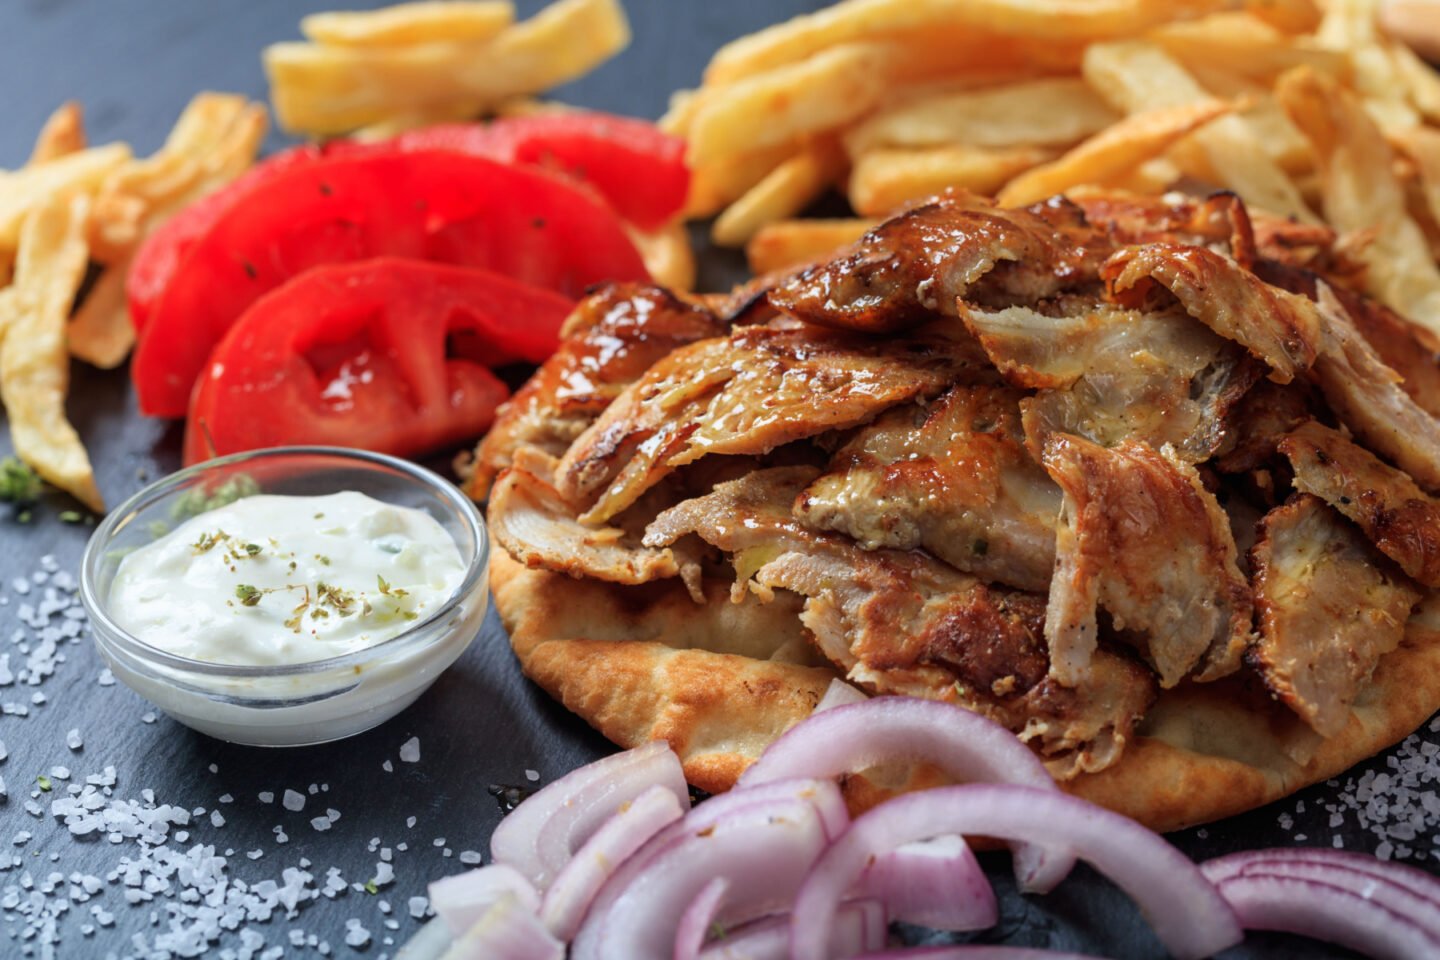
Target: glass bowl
x,y
302,703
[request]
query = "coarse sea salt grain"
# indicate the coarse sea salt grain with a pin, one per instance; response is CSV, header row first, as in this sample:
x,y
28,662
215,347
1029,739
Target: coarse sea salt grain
x,y
410,750
293,800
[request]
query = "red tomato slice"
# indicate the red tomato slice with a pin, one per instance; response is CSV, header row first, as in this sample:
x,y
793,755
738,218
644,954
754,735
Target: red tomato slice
x,y
631,163
438,206
386,354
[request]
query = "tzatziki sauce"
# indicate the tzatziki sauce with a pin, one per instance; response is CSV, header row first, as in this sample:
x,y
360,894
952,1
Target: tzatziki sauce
x,y
274,580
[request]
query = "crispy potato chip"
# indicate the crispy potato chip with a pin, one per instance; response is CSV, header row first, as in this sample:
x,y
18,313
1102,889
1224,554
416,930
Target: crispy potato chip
x,y
324,90
885,180
802,37
34,364
1362,194
63,134
1112,152
420,21
1052,112
830,89
30,187
667,254
716,185
789,188
790,243
1137,76
1242,43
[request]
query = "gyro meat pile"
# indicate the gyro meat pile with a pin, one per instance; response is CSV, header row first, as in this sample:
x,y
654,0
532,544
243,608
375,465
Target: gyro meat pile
x,y
1054,464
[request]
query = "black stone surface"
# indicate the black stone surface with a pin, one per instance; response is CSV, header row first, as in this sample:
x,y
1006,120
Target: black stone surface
x,y
133,65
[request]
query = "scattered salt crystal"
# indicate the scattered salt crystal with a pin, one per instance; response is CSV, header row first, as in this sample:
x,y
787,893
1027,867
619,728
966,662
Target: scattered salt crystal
x,y
355,934
320,823
410,750
532,775
267,797
255,854
314,788
147,717
388,767
410,822
216,818
60,773
226,798
332,814
107,679
439,841
418,906
293,801
469,857
73,741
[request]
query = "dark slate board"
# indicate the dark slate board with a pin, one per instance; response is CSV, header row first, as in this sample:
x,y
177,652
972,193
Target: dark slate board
x,y
133,66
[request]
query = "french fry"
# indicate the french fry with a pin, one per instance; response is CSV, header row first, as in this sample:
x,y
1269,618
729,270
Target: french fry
x,y
324,90
420,21
801,38
790,243
117,224
1291,16
63,134
1268,124
885,180
716,185
679,113
1422,146
832,88
1352,27
1363,195
1413,23
1241,43
31,187
1136,76
1112,152
34,364
414,119
100,333
789,188
1050,112
1420,78
668,256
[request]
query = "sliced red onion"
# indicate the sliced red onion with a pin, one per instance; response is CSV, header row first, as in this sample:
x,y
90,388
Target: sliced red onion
x,y
1416,881
577,883
1326,912
508,931
965,745
696,921
860,926
935,883
840,694
542,834
1188,914
976,952
464,898
764,849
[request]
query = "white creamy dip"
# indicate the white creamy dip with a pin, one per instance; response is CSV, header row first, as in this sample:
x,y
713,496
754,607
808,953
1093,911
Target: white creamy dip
x,y
271,580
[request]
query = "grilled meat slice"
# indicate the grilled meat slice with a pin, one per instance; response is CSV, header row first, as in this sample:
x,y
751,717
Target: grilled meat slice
x,y
612,338
1261,420
1329,609
1108,373
1276,326
1397,516
1141,536
759,388
953,478
916,265
901,622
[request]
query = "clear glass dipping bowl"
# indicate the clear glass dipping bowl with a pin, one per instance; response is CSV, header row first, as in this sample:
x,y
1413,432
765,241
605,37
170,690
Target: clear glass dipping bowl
x,y
303,703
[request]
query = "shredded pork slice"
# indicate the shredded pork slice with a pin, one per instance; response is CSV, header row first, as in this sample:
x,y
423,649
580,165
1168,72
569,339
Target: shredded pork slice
x,y
1395,514
759,388
1329,609
953,478
917,264
611,338
1107,373
1276,326
1261,420
1141,536
904,623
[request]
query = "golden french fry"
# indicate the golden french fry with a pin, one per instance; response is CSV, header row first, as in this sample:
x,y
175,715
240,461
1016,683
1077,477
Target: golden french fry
x,y
1362,193
528,106
789,188
101,333
832,88
1137,76
716,185
1421,79
885,180
425,21
63,134
1352,27
30,187
667,253
1291,16
679,113
325,90
34,364
1114,151
1242,43
414,119
790,243
1051,112
1422,146
1414,23
117,224
802,37
1271,128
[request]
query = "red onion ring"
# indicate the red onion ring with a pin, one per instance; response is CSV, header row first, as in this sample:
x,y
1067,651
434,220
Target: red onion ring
x,y
695,922
1412,879
965,745
542,834
763,849
464,898
577,883
936,883
1188,914
860,926
976,952
507,931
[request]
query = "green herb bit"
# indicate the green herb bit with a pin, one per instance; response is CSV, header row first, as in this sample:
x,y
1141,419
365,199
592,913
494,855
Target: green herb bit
x,y
252,549
319,516
299,612
247,594
24,516
71,516
718,931
18,483
198,500
390,591
324,560
343,601
371,887
44,782
208,541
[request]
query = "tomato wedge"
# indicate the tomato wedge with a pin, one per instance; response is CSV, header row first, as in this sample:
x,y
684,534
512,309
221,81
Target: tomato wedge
x,y
638,169
385,354
438,206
